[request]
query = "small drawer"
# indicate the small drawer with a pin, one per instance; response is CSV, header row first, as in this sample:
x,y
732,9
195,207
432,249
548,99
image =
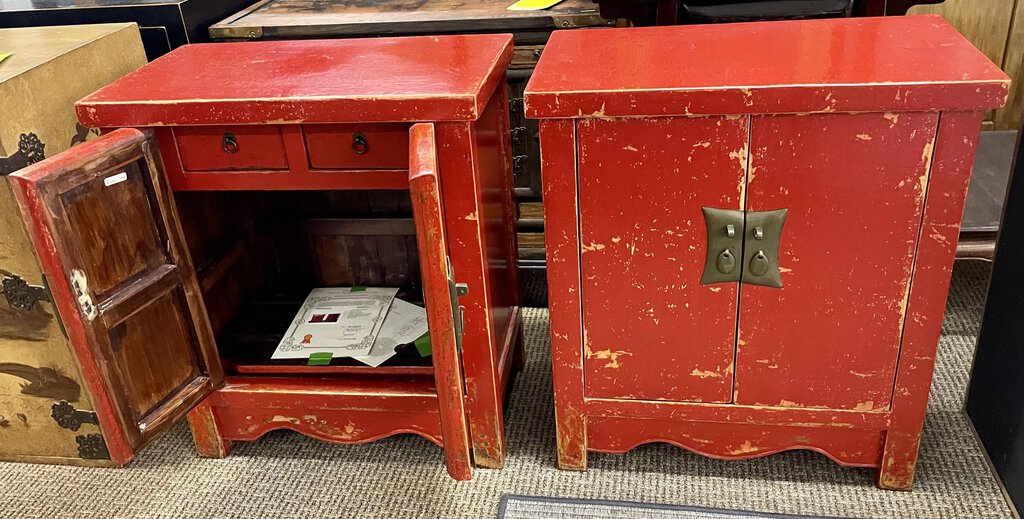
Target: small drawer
x,y
219,148
357,146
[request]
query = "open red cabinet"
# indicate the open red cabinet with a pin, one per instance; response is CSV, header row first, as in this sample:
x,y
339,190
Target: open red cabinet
x,y
177,255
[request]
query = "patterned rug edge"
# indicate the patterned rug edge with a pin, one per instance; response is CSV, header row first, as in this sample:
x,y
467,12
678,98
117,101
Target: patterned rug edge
x,y
614,503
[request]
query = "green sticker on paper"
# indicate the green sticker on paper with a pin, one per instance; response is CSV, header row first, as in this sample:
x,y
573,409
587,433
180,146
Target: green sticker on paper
x,y
423,345
358,289
322,358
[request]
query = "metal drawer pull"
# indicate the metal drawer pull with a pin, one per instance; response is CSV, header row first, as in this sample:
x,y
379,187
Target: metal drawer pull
x,y
229,143
758,233
359,144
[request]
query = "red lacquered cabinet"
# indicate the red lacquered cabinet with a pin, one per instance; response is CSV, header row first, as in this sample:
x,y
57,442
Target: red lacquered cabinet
x,y
750,232
232,179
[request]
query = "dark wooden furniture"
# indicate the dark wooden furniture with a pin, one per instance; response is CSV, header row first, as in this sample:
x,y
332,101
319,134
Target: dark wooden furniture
x,y
754,257
295,19
985,197
995,396
672,12
178,255
163,24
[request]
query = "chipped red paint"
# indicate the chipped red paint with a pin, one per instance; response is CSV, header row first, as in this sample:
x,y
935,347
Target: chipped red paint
x,y
839,65
561,239
458,82
839,360
442,78
950,174
678,340
435,266
823,169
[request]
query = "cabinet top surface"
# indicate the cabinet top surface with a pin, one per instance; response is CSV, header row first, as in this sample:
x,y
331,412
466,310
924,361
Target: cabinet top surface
x,y
850,64
425,78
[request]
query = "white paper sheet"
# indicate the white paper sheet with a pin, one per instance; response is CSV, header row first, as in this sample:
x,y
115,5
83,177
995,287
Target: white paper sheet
x,y
404,323
336,320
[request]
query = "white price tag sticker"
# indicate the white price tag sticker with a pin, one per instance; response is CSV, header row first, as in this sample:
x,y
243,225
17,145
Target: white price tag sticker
x,y
115,179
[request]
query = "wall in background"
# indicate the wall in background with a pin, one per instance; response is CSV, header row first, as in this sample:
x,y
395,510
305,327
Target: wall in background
x,y
997,28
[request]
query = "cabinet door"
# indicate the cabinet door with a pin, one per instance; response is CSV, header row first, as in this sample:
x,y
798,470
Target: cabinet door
x,y
651,330
440,294
854,186
104,223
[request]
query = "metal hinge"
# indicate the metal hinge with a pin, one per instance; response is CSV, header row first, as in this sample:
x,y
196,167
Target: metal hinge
x,y
455,291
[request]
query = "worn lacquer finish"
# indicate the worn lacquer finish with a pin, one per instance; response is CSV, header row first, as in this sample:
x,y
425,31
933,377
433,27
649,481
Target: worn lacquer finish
x,y
238,145
476,173
950,174
854,186
853,64
561,235
104,222
652,331
432,78
425,189
872,168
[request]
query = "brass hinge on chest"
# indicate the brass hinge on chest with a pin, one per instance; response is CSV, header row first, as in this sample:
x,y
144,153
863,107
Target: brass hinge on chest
x,y
20,294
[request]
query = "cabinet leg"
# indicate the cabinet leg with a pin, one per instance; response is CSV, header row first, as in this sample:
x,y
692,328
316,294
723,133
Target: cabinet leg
x,y
206,433
572,441
899,459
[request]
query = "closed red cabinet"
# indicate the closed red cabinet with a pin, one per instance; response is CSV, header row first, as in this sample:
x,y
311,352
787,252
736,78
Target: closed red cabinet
x,y
750,252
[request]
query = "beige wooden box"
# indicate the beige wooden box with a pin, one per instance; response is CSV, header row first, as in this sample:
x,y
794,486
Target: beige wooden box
x,y
45,412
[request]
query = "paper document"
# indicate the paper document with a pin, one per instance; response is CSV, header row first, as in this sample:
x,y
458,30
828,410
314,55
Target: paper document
x,y
404,323
341,321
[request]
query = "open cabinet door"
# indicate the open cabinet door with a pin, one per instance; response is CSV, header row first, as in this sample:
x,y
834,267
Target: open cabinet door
x,y
441,297
103,221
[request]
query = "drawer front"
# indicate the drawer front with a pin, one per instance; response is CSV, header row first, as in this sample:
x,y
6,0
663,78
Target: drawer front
x,y
357,146
854,188
652,331
231,148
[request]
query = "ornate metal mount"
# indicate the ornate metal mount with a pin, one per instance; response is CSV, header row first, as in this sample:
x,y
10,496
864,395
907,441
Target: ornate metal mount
x,y
70,418
743,246
19,293
30,151
92,447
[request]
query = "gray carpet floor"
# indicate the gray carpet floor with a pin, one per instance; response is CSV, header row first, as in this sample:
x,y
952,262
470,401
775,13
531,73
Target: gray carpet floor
x,y
286,475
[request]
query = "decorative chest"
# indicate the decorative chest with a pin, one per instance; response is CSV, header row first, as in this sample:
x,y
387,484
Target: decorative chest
x,y
179,247
163,24
46,414
749,245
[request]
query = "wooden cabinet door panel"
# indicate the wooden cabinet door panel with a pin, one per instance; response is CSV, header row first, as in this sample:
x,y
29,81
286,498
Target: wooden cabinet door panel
x,y
854,186
651,330
440,296
104,222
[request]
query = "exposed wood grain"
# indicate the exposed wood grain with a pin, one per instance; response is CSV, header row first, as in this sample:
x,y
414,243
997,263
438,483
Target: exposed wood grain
x,y
136,397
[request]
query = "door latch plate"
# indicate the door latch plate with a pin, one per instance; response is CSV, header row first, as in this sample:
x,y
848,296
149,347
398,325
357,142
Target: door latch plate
x,y
761,248
725,245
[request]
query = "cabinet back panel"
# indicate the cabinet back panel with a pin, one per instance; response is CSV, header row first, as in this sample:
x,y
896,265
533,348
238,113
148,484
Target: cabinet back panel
x,y
854,187
651,330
